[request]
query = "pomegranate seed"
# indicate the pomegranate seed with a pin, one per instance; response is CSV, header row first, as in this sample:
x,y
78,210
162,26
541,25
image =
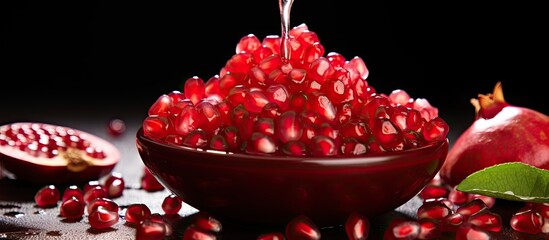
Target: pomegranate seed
x,y
73,191
433,209
162,106
93,193
387,134
352,147
406,230
458,197
193,233
357,227
47,196
435,130
116,127
472,232
136,213
357,68
323,146
321,104
72,208
156,127
288,127
261,143
106,203
434,191
171,204
206,222
209,116
148,229
278,94
115,185
294,148
156,217
149,183
302,227
271,236
451,222
486,220
527,220
187,120
399,97
102,218
489,201
196,139
336,59
429,229
471,207
194,89
249,43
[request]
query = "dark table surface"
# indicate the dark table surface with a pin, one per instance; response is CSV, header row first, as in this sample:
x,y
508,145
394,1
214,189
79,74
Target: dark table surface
x,y
21,219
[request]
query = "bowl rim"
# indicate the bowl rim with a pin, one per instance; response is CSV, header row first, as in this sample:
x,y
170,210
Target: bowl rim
x,y
371,159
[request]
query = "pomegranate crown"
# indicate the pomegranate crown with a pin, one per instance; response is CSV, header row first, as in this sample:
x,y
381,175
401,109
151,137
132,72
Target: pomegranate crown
x,y
489,105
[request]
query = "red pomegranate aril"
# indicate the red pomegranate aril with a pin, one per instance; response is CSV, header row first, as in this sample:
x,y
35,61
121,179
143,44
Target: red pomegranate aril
x,y
279,94
218,142
114,185
174,139
116,127
288,128
336,59
194,89
211,87
313,52
162,106
172,204
73,191
434,191
471,207
357,226
472,232
526,220
151,184
357,68
196,139
387,134
156,127
194,233
406,230
270,63
92,184
302,228
320,70
335,90
272,42
320,103
489,201
104,202
261,143
232,137
186,121
352,147
158,218
257,78
271,236
209,116
207,222
399,97
297,80
47,196
451,222
322,146
102,218
137,212
486,220
249,43
458,197
270,110
148,229
294,148
261,53
429,229
435,130
71,208
414,120
93,193
255,100
433,209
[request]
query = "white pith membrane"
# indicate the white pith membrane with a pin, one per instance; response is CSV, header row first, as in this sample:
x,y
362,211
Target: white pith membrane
x,y
73,158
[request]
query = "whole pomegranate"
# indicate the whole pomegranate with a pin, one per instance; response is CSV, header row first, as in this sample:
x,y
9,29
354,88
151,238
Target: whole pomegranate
x,y
500,133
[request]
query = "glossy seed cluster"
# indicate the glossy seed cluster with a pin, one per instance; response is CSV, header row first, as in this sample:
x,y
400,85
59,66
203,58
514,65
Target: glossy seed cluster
x,y
312,104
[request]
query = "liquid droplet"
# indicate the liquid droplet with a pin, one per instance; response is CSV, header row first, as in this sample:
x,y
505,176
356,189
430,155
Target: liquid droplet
x,y
54,233
285,8
14,214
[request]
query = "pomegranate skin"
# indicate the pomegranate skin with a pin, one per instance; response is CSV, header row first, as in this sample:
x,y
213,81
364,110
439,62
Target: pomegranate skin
x,y
514,134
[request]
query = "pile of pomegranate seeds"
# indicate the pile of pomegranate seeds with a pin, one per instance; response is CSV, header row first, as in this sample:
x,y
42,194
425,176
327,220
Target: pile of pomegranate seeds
x,y
314,104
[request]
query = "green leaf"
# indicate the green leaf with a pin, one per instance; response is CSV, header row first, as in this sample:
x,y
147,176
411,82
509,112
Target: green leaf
x,y
513,181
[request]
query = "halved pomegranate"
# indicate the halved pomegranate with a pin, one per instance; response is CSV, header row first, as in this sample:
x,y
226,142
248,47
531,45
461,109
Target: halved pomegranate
x,y
43,153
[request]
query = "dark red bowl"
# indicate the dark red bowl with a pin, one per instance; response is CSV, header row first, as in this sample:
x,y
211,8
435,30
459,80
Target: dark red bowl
x,y
274,189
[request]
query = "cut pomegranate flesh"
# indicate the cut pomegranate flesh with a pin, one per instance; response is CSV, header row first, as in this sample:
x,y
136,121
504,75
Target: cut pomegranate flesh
x,y
39,152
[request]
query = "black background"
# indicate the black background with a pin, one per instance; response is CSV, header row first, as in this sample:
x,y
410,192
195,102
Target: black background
x,y
84,58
